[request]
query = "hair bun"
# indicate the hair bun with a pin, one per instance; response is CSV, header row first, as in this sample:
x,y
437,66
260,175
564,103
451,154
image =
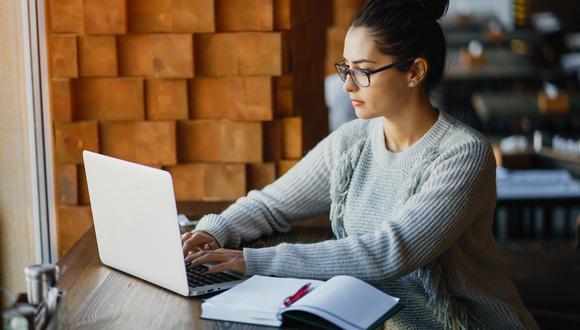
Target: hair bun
x,y
434,8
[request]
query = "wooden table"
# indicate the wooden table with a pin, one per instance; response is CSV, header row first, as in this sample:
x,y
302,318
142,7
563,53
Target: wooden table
x,y
99,297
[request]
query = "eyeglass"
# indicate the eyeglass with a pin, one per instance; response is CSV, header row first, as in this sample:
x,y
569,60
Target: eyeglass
x,y
362,77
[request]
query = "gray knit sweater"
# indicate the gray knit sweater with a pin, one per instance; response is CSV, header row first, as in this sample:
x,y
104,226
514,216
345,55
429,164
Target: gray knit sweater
x,y
416,224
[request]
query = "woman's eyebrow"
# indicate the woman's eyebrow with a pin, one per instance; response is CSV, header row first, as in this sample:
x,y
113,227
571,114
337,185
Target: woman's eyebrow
x,y
363,61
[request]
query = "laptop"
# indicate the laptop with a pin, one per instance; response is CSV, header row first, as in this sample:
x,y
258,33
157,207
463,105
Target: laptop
x,y
137,230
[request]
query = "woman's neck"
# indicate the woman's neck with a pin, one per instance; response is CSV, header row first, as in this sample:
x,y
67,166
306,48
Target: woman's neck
x,y
409,125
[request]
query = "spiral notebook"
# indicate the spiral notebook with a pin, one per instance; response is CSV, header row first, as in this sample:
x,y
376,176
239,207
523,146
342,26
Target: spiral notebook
x,y
341,302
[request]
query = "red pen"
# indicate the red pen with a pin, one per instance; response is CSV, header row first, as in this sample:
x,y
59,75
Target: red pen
x,y
299,294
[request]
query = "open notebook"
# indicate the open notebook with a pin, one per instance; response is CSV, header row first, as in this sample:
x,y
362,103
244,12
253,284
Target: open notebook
x,y
341,302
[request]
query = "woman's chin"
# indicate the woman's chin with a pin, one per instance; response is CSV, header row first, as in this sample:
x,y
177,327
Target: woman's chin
x,y
362,113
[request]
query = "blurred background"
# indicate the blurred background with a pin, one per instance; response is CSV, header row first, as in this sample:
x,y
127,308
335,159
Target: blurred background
x,y
227,95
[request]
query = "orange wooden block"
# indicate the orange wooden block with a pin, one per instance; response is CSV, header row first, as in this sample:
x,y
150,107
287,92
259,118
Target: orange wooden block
x,y
345,10
216,54
61,100
242,142
334,47
83,186
224,182
262,54
208,182
244,15
252,99
158,55
172,55
70,139
283,15
194,16
150,143
200,140
63,56
105,16
67,184
109,99
187,181
166,99
272,131
284,166
135,55
97,56
150,15
291,13
284,95
292,137
72,223
238,98
210,97
66,16
260,175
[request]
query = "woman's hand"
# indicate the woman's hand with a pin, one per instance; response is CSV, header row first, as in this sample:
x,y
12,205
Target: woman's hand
x,y
223,259
194,241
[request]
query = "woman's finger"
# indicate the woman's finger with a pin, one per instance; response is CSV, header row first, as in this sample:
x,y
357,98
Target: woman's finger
x,y
221,267
194,241
186,236
207,257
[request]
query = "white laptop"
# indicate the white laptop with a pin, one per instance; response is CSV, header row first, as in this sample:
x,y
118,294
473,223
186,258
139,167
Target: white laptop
x,y
135,219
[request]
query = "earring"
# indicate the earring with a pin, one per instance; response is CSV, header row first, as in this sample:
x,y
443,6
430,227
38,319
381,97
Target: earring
x,y
412,83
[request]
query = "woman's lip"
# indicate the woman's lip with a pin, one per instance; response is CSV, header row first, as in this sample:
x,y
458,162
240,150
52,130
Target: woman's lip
x,y
357,102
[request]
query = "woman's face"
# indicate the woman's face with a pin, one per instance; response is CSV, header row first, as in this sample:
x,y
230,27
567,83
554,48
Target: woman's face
x,y
388,91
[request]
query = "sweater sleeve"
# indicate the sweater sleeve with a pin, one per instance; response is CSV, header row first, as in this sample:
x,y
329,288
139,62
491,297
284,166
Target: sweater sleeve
x,y
427,224
302,192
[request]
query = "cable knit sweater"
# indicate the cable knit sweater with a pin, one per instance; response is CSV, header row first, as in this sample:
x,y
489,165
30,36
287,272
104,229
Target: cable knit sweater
x,y
416,224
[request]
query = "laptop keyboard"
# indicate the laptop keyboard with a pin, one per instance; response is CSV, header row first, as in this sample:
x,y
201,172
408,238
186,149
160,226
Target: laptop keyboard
x,y
197,276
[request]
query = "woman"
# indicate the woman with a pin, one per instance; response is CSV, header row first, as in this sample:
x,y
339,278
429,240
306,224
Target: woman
x,y
411,191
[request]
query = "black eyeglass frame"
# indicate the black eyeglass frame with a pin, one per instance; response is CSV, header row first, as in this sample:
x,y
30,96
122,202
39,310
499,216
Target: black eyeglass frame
x,y
339,65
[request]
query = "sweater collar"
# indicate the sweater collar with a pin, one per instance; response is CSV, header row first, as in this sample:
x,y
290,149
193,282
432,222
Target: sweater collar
x,y
413,154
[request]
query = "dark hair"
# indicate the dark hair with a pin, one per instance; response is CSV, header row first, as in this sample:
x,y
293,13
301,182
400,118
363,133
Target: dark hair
x,y
408,29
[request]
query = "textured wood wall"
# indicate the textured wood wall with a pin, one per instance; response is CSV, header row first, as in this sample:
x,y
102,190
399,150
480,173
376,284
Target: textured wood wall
x,y
227,95
343,13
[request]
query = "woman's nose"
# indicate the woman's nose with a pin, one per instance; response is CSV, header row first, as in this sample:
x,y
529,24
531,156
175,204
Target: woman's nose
x,y
349,85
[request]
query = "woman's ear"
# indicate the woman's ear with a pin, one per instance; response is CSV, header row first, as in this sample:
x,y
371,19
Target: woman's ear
x,y
418,71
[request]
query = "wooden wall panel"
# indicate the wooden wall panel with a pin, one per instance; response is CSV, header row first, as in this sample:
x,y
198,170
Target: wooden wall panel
x,y
216,54
150,15
200,140
97,56
156,55
72,222
194,16
63,56
67,184
70,139
260,175
237,98
244,15
61,100
225,94
166,99
187,181
242,142
224,182
209,182
292,147
109,99
262,54
150,143
105,16
66,16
